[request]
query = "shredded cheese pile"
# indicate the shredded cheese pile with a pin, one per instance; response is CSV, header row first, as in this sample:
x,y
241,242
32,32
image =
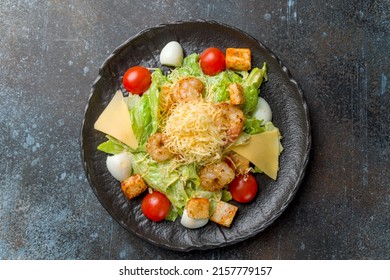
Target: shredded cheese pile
x,y
192,133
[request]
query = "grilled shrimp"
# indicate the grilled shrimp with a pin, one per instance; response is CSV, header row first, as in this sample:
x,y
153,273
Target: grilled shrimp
x,y
216,176
231,120
189,88
156,148
241,164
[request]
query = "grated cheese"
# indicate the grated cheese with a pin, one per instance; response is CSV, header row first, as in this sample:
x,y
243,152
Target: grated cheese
x,y
191,132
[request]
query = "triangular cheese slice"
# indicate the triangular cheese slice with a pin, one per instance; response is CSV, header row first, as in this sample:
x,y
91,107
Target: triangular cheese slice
x,y
263,151
115,121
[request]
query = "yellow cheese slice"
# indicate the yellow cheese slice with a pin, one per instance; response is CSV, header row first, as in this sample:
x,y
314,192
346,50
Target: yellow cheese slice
x,y
115,121
263,151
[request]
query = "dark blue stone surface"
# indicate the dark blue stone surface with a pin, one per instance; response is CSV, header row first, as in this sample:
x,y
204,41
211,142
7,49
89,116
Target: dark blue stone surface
x,y
50,53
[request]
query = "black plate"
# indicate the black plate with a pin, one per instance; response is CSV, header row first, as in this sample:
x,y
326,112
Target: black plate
x,y
290,114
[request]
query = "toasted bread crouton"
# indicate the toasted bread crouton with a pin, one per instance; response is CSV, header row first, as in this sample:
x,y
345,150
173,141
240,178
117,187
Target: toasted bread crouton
x,y
238,59
133,186
198,208
224,213
236,93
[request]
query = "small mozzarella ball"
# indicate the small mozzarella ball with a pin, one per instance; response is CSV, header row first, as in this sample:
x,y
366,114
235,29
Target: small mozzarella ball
x,y
192,223
172,54
119,166
263,111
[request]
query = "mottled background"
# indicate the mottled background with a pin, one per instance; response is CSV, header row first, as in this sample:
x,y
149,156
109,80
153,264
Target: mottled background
x,y
50,52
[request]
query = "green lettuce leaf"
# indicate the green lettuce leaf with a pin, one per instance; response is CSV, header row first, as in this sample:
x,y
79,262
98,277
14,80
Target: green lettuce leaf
x,y
113,146
190,67
178,184
217,85
253,125
144,111
226,196
161,177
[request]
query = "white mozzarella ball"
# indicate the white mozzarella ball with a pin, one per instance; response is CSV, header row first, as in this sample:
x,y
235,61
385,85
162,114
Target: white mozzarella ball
x,y
172,54
192,223
119,166
263,111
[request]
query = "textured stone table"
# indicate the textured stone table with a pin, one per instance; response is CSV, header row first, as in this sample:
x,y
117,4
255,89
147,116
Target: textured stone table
x,y
338,51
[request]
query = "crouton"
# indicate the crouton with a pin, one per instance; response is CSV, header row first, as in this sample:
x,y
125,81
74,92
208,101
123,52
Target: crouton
x,y
133,186
236,93
238,59
224,213
198,208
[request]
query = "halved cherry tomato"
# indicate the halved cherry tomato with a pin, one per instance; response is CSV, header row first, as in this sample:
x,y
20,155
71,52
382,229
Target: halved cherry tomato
x,y
244,188
137,79
212,61
155,206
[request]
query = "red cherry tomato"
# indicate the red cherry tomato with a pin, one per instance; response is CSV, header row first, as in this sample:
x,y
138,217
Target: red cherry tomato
x,y
244,188
212,61
137,79
155,206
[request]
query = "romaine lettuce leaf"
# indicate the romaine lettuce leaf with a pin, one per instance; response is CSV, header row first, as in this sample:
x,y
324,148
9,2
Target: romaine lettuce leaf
x,y
144,111
251,85
162,177
190,67
178,184
217,86
253,125
113,146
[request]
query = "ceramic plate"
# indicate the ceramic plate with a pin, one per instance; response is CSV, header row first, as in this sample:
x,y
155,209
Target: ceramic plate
x,y
290,115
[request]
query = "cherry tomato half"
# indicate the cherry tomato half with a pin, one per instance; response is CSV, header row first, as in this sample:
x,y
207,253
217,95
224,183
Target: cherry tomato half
x,y
212,61
155,206
137,79
243,188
